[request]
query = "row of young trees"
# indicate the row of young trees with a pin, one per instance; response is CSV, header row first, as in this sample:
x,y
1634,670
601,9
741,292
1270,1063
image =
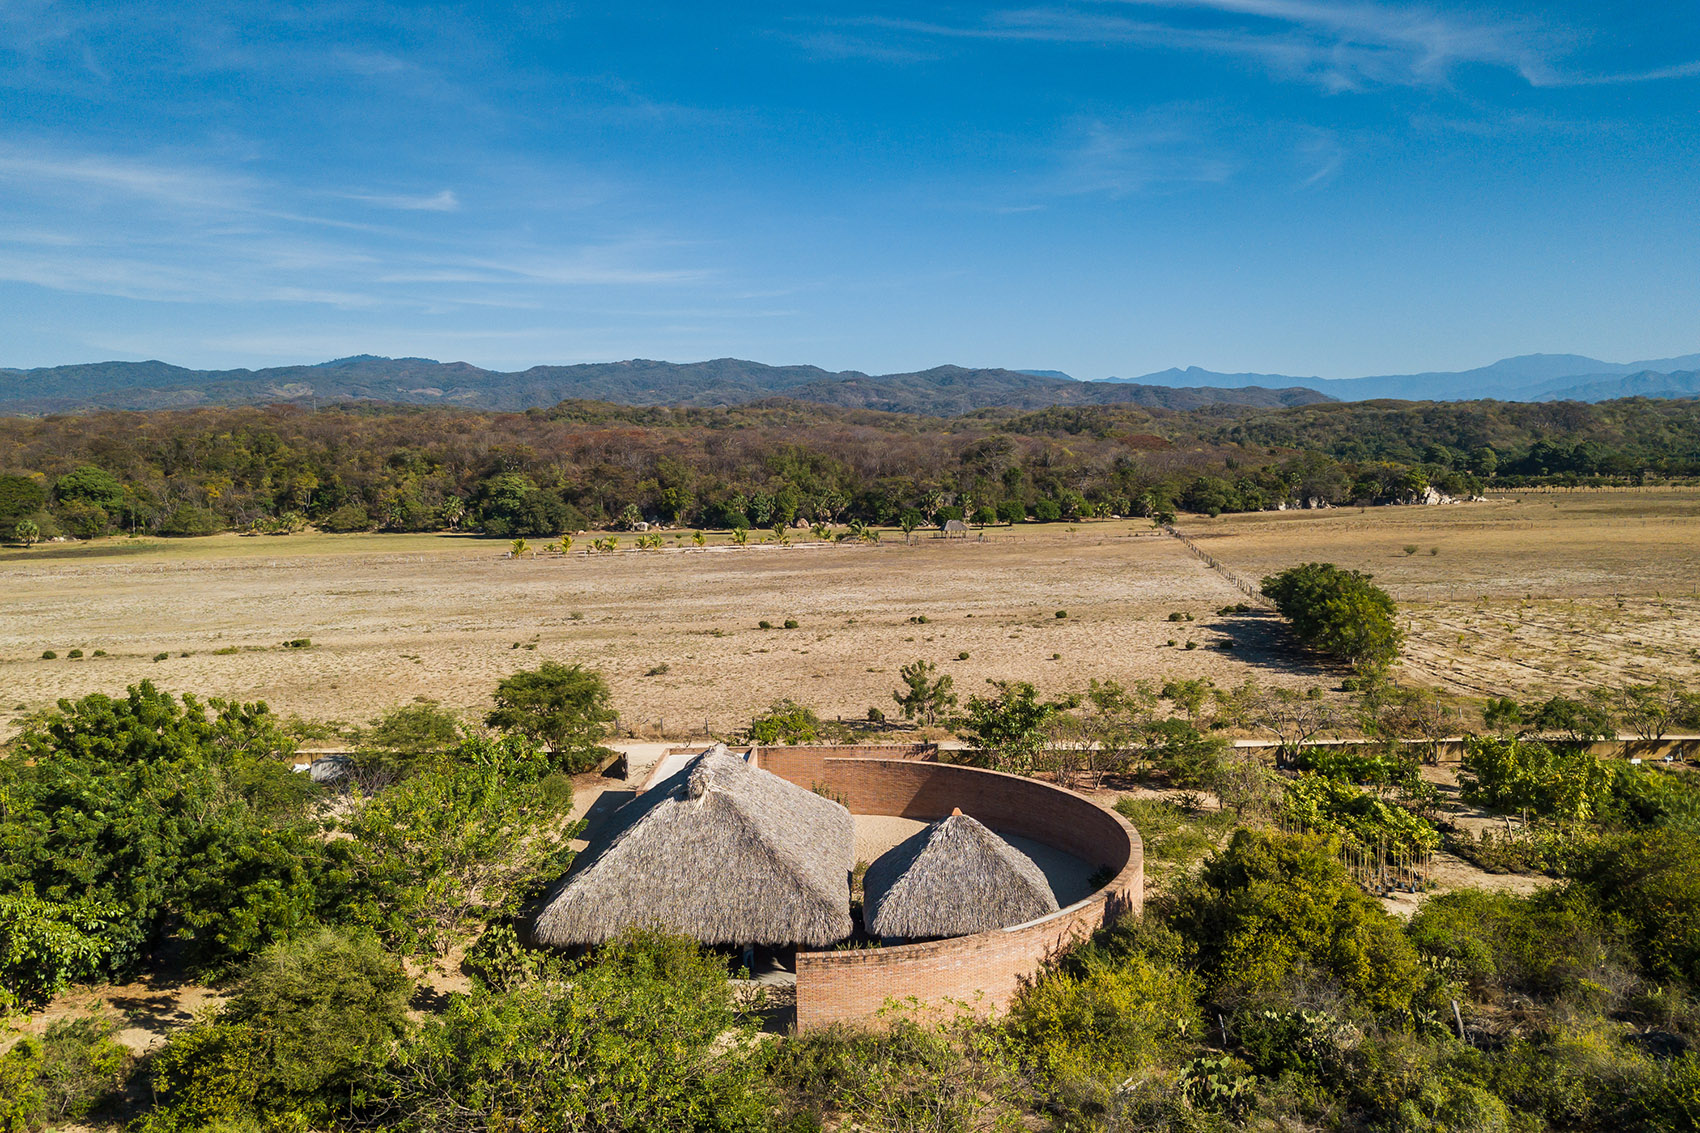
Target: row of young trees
x,y
579,466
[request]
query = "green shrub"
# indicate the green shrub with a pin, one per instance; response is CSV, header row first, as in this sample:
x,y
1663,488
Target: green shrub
x,y
785,722
1111,1021
640,1036
49,655
1338,612
1547,781
75,654
1328,806
1270,906
790,623
297,1043
82,1067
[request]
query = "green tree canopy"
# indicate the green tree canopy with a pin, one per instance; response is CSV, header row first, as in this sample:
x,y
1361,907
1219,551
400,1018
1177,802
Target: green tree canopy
x,y
564,707
1339,613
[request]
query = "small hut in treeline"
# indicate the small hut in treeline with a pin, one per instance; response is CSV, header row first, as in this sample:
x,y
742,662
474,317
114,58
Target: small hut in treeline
x,y
720,851
953,878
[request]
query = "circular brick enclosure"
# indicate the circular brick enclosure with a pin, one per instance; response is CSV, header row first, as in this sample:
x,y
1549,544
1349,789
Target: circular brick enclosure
x,y
984,970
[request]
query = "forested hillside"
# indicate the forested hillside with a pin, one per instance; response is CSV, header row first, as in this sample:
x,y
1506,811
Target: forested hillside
x,y
940,391
588,464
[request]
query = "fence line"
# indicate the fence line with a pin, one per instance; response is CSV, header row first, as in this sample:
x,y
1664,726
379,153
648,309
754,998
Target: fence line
x,y
1210,561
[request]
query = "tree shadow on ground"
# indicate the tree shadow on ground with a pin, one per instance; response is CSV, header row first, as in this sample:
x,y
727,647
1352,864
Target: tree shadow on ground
x,y
1263,639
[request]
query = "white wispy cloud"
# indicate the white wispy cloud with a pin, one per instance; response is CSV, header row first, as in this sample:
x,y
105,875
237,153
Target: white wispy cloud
x,y
1340,46
444,201
154,230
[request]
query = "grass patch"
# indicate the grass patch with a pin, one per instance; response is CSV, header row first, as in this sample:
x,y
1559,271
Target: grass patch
x,y
1173,835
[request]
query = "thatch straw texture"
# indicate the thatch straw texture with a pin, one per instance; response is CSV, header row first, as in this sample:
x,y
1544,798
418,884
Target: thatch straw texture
x,y
720,851
954,878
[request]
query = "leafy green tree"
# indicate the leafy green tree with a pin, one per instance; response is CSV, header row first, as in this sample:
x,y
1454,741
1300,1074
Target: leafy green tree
x,y
1010,727
159,817
641,1036
1549,781
1576,721
45,946
923,695
435,857
91,485
785,722
564,707
20,498
1328,806
1271,907
1338,612
27,532
297,1044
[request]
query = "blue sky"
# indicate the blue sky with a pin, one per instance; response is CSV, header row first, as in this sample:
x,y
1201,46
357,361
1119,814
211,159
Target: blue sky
x,y
1104,186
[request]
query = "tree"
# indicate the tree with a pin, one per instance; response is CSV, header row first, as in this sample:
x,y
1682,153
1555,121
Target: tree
x,y
297,1044
785,722
27,532
923,695
1294,718
642,1035
1010,727
1271,907
562,706
471,838
1339,613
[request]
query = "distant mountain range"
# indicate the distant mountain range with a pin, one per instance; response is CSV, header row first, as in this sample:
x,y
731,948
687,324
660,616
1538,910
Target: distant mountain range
x,y
942,391
1529,377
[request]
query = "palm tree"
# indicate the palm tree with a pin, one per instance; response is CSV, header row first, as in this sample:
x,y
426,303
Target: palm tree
x,y
519,548
740,536
565,544
699,538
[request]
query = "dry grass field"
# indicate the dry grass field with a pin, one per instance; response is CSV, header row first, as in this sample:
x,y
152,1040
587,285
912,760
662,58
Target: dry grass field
x,y
1530,591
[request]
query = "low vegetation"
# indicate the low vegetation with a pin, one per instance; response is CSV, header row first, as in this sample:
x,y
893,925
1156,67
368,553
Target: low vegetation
x,y
1262,989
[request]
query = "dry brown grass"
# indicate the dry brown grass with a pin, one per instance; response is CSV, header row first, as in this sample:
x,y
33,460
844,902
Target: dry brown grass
x,y
1530,591
1521,594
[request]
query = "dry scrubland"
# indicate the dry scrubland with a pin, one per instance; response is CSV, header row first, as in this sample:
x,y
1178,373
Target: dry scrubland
x,y
1521,594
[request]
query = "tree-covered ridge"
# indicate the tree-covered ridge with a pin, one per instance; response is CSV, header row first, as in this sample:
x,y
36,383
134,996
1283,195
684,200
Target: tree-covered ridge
x,y
590,464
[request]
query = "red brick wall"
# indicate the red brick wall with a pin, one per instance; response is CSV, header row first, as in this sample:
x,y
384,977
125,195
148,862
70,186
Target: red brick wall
x,y
806,765
985,969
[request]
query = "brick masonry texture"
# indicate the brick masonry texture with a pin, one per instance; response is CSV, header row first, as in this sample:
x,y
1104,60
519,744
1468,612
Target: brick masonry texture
x,y
985,970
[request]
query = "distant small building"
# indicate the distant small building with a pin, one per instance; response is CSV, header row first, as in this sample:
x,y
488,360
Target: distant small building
x,y
954,878
720,851
955,527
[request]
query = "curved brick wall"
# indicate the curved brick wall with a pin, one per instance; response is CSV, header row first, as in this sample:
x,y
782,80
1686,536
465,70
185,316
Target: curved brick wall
x,y
985,969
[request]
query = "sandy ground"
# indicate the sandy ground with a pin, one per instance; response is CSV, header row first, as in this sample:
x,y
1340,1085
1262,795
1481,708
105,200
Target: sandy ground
x,y
1525,593
397,618
1548,591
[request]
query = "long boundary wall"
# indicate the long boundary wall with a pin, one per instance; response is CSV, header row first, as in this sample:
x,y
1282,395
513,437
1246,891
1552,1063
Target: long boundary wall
x,y
984,970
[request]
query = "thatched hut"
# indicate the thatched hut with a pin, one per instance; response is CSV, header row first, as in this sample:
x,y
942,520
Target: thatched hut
x,y
953,878
720,851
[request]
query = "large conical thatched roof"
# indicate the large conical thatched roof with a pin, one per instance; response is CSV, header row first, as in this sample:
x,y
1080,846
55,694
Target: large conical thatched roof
x,y
721,851
954,878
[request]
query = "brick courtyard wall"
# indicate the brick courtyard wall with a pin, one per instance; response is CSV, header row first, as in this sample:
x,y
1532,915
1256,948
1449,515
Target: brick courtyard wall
x,y
984,970
806,765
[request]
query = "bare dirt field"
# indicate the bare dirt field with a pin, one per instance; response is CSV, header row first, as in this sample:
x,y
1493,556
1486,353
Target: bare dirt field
x,y
1530,591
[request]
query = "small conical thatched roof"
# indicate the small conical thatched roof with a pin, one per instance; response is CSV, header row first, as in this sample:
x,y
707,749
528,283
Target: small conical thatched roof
x,y
720,851
954,878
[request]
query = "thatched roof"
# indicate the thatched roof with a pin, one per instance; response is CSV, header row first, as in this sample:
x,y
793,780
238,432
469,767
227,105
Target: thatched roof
x,y
954,878
720,851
